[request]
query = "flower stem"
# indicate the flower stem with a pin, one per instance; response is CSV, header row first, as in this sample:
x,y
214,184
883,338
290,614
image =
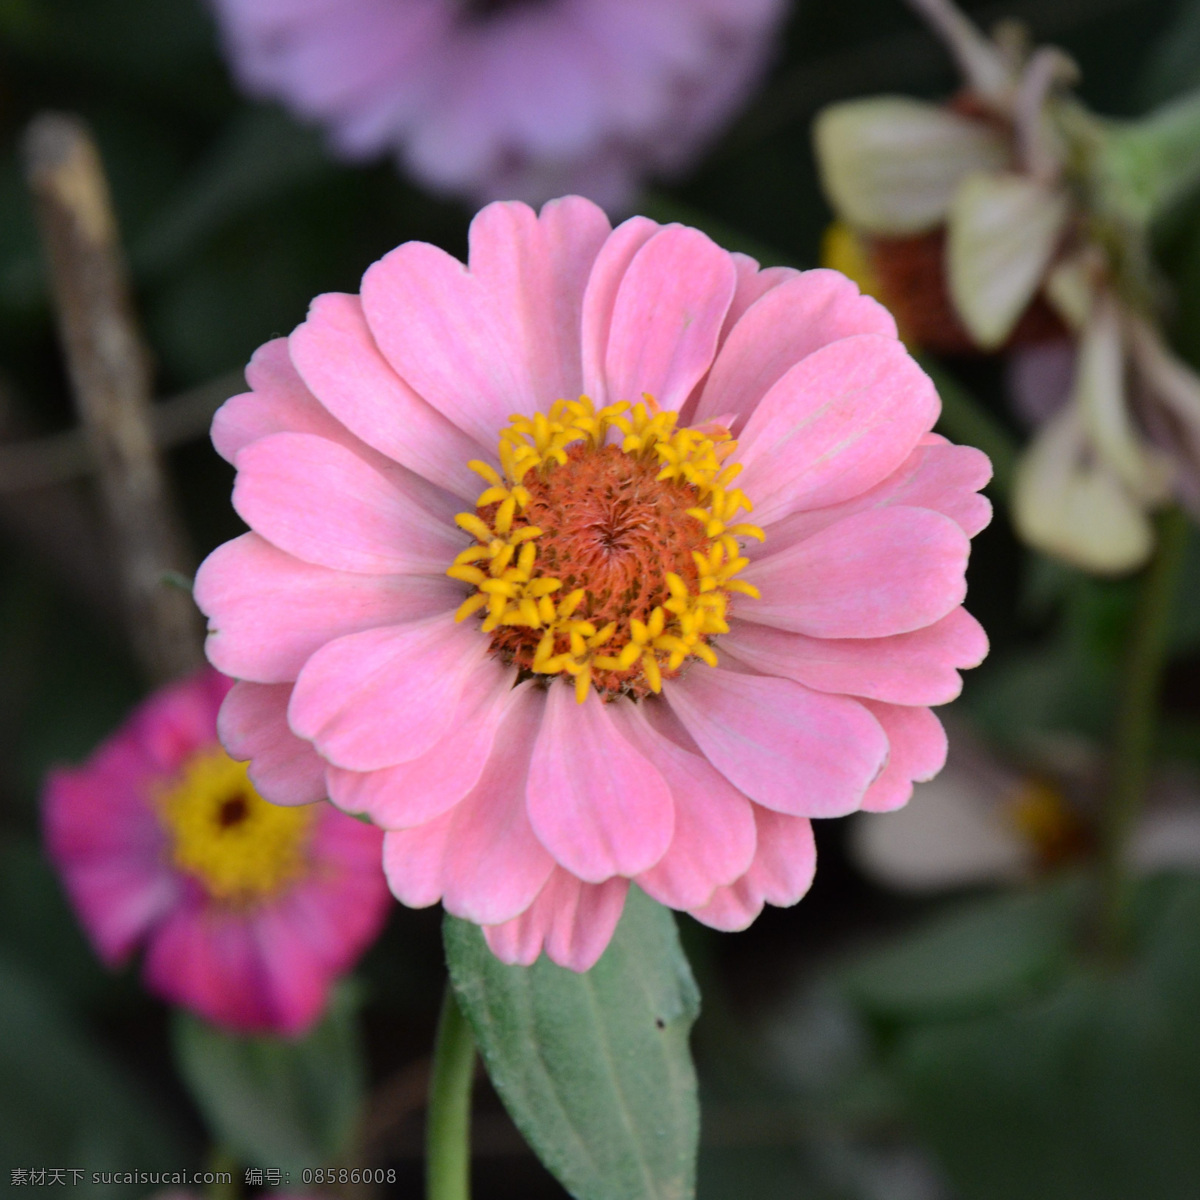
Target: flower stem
x,y
1136,718
448,1129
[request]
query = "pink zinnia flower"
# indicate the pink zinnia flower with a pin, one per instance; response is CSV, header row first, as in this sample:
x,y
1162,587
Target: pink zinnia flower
x,y
509,98
498,635
248,912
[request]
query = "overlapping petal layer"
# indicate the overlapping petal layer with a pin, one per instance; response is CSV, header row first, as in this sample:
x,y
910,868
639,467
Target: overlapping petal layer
x,y
502,796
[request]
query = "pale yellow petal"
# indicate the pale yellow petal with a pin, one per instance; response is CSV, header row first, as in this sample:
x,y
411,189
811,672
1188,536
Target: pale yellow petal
x,y
1003,230
1101,398
1069,503
890,165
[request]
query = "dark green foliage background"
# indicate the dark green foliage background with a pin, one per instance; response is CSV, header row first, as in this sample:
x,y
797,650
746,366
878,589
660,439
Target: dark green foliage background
x,y
861,1046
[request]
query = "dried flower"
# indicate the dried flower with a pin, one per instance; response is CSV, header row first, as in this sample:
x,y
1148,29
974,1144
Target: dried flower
x,y
1012,216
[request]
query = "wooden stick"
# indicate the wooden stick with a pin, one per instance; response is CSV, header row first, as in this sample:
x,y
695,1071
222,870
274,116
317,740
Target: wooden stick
x,y
110,378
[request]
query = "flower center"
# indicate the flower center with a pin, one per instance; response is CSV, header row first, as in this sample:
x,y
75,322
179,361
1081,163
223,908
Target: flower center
x,y
224,834
604,549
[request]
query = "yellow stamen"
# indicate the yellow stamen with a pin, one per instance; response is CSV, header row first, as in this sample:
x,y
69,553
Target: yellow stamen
x,y
239,847
510,594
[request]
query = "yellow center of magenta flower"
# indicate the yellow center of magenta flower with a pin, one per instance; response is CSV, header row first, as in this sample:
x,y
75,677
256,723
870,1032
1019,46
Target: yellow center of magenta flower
x,y
224,834
611,562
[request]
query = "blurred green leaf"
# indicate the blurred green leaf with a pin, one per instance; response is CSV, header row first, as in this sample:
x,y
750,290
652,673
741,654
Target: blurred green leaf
x,y
976,958
1088,1093
594,1068
272,1101
63,1103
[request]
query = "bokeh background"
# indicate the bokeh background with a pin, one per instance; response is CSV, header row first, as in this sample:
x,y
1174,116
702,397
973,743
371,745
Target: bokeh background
x,y
946,1038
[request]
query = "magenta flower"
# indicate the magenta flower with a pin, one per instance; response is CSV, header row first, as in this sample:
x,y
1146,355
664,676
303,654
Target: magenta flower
x,y
497,547
248,912
509,98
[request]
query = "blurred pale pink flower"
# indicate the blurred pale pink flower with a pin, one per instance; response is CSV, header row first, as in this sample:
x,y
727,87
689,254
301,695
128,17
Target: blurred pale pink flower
x,y
526,696
498,99
248,912
992,820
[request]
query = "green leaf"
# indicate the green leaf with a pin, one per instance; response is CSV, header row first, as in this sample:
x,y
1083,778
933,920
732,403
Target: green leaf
x,y
276,1102
594,1068
63,1101
970,960
1088,1093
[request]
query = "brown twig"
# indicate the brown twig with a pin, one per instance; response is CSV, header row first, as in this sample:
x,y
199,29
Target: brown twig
x,y
110,378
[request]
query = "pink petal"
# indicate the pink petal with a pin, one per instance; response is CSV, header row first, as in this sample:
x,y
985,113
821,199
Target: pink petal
x,y
947,481
412,793
917,751
296,978
836,424
343,901
119,903
100,826
317,929
936,475
753,283
788,323
441,331
596,804
317,501
667,317
874,574
782,873
101,810
253,726
384,696
269,612
279,402
268,968
348,861
787,748
338,358
713,842
600,300
207,960
920,667
535,271
482,857
571,920
178,720
108,847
